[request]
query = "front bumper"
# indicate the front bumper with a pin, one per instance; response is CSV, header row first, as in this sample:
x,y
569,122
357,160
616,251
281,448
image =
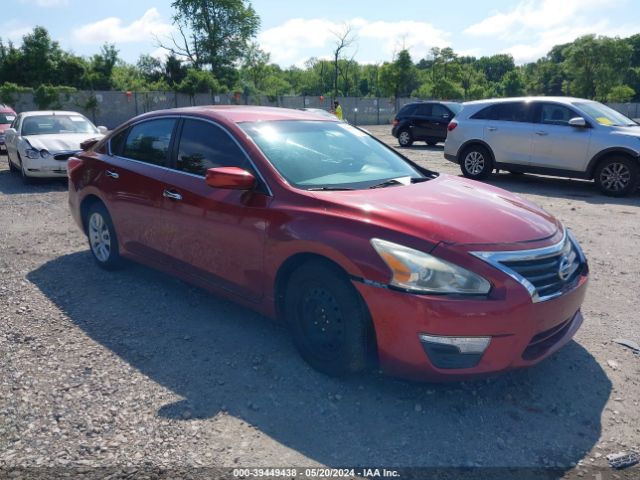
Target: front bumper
x,y
40,167
522,333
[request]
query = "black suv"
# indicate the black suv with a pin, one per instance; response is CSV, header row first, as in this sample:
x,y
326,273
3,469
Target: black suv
x,y
426,121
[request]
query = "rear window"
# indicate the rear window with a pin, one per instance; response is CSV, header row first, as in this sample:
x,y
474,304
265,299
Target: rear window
x,y
407,110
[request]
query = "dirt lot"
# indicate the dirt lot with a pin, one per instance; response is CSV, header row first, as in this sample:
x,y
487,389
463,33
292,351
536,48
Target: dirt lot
x,y
136,368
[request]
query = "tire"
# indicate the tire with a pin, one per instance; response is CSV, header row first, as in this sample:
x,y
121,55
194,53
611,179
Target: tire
x,y
617,176
328,320
26,179
12,167
405,139
103,241
476,162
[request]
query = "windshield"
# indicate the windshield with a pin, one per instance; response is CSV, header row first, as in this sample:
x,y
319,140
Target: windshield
x,y
605,115
56,124
6,118
316,155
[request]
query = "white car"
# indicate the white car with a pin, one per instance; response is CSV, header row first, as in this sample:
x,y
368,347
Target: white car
x,y
559,136
39,143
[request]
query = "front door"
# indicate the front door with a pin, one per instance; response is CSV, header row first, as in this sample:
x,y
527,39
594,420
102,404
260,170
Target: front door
x,y
217,234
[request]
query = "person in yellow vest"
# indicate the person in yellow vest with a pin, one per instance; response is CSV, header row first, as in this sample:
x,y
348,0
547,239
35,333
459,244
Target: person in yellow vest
x,y
337,109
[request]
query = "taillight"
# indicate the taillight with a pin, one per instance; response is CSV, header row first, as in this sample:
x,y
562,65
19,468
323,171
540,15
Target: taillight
x,y
72,164
452,125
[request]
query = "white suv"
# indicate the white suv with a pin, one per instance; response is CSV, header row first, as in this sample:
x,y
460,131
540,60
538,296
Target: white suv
x,y
560,136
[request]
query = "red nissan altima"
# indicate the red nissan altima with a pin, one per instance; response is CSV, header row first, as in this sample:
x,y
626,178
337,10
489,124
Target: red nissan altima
x,y
364,254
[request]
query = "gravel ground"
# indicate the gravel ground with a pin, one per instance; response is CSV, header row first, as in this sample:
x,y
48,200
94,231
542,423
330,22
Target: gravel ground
x,y
138,369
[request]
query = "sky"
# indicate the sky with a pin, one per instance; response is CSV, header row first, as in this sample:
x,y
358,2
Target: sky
x,y
294,31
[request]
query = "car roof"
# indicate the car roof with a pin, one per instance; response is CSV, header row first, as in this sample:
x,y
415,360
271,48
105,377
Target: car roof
x,y
418,102
36,113
490,101
241,113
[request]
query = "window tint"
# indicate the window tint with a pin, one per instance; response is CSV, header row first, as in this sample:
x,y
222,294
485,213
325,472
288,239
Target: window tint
x,y
407,110
117,142
483,114
149,141
203,146
511,112
551,114
424,109
439,111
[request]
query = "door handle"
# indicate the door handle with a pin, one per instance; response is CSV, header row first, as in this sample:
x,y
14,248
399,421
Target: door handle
x,y
492,129
171,195
112,174
542,133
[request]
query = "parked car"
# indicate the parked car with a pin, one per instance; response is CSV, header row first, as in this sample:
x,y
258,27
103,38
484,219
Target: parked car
x,y
426,121
7,116
560,136
39,143
362,252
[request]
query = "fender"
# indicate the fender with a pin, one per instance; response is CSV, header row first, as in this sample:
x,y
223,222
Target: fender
x,y
608,151
471,142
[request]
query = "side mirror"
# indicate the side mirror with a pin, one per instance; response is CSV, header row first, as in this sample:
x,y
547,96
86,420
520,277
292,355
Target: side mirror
x,y
578,122
232,178
103,130
87,144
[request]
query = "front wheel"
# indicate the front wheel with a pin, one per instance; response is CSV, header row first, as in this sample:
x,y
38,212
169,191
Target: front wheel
x,y
103,240
617,176
12,167
328,320
405,139
476,162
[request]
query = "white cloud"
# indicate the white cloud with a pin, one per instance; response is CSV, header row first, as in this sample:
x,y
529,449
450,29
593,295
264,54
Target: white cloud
x,y
112,30
533,27
292,42
13,30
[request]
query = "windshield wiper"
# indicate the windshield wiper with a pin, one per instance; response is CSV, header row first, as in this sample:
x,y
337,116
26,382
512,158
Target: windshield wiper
x,y
396,181
327,188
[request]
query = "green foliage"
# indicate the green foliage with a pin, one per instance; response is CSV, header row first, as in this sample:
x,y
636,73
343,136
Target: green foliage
x,y
9,91
512,84
621,94
199,81
47,97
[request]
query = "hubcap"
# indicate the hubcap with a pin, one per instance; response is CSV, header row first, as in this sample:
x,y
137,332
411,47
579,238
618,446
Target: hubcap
x,y
474,163
615,176
404,138
322,321
99,237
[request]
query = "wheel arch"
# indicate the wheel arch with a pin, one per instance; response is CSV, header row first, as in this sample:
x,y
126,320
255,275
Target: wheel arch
x,y
608,152
87,202
472,142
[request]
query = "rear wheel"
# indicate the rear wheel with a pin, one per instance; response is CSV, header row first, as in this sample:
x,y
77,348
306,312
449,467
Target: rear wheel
x,y
616,176
103,240
328,320
476,162
405,139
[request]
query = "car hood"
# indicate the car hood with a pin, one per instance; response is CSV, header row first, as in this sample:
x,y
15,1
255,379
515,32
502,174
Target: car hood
x,y
631,131
60,142
448,209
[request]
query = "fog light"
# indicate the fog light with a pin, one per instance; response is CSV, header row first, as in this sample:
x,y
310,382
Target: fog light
x,y
454,352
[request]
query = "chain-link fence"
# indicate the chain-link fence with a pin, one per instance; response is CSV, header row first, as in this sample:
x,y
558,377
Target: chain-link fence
x,y
113,108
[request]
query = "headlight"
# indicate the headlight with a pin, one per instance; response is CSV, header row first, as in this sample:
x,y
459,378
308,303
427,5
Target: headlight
x,y
424,273
45,153
32,153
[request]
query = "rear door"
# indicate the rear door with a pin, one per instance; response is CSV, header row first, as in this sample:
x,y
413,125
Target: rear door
x,y
508,131
421,121
133,181
216,234
556,144
440,118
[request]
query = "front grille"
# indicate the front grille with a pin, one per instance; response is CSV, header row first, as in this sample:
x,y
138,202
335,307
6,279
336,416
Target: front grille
x,y
546,272
64,155
543,341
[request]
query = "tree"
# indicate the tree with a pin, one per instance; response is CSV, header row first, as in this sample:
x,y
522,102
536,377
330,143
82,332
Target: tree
x,y
199,81
213,33
101,67
344,40
621,94
512,84
496,66
254,65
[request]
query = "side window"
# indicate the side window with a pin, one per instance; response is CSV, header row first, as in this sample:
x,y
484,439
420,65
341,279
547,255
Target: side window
x,y
117,142
551,114
511,112
440,111
484,114
149,141
424,110
407,110
203,146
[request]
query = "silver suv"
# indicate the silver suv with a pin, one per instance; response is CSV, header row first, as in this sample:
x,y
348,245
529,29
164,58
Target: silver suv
x,y
560,136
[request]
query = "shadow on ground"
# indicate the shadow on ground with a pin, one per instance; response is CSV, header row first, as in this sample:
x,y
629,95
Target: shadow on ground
x,y
217,355
12,183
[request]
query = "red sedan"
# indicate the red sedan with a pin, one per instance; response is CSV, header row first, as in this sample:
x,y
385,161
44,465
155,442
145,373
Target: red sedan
x,y
364,254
